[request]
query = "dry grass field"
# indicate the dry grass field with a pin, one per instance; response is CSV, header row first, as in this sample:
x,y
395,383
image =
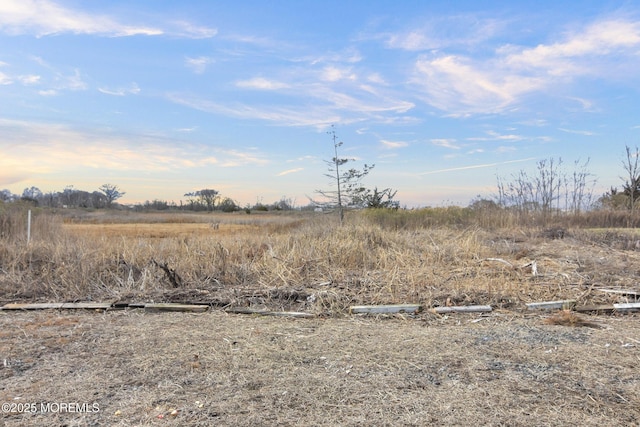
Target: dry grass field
x,y
128,367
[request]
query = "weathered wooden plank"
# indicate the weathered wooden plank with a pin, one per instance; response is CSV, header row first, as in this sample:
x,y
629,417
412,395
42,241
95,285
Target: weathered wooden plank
x,y
385,309
32,306
594,308
243,310
157,307
463,309
87,305
551,305
627,306
620,291
58,305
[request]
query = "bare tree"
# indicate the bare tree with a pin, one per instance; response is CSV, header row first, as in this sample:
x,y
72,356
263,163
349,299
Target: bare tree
x,y
33,194
547,185
632,181
550,190
112,193
579,188
7,196
347,182
206,197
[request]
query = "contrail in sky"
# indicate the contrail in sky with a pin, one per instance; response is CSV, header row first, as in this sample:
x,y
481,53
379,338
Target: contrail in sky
x,y
488,165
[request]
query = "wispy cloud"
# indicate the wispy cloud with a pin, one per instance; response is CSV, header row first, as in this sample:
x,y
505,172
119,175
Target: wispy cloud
x,y
307,158
46,17
330,106
131,90
413,40
393,144
535,122
585,104
34,148
572,56
443,32
349,55
45,148
29,79
463,85
376,78
261,83
577,132
43,17
486,165
316,117
73,82
446,143
199,64
476,150
287,172
63,82
189,30
495,136
4,79
241,158
334,74
458,85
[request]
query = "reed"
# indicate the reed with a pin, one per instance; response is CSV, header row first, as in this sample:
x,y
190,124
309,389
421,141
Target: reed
x,y
430,256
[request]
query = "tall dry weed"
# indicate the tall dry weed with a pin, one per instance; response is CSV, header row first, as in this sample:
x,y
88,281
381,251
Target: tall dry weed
x,y
374,258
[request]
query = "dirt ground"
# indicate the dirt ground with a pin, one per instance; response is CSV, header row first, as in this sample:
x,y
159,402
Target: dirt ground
x,y
131,368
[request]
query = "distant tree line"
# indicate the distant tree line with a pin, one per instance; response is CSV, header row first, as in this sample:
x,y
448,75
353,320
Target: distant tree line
x,y
70,197
106,196
549,190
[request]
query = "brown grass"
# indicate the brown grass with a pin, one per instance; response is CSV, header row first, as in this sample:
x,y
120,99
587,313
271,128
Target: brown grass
x,y
307,262
506,368
568,318
155,230
231,370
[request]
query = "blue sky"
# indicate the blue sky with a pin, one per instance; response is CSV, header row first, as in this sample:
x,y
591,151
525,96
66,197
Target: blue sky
x,y
163,98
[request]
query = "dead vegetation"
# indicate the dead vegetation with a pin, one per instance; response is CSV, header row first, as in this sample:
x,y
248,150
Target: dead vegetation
x,y
307,263
510,367
568,318
178,369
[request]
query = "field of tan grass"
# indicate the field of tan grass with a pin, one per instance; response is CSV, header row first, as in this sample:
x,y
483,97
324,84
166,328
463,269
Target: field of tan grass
x,y
307,262
161,230
509,367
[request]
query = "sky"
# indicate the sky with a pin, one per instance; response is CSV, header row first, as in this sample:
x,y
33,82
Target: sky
x,y
163,98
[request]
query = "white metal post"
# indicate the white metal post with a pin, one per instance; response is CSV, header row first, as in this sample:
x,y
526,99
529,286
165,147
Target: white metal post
x,y
29,226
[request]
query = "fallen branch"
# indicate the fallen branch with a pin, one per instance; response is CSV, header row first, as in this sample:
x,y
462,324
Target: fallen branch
x,y
175,307
463,309
172,275
297,314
